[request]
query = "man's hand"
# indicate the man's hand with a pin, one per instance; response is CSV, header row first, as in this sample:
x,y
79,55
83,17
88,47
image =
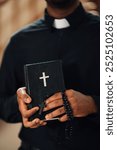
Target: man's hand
x,y
24,99
82,105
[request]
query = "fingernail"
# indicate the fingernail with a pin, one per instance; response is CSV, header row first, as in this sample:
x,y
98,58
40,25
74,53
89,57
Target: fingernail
x,y
46,102
36,121
44,123
37,108
45,109
27,100
47,117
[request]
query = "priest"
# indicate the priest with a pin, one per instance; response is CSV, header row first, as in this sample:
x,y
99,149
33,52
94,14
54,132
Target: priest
x,y
70,34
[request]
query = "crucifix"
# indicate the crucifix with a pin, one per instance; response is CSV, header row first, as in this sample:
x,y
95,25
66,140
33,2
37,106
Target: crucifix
x,y
44,77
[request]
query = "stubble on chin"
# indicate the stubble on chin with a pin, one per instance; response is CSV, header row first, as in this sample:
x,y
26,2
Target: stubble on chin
x,y
60,3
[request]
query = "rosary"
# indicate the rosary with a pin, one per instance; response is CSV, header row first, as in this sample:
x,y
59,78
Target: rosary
x,y
69,127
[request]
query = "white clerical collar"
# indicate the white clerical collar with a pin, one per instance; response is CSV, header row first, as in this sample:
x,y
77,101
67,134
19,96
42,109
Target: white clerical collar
x,y
61,23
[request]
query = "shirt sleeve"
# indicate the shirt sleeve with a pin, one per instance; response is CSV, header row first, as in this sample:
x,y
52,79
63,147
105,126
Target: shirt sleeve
x,y
8,101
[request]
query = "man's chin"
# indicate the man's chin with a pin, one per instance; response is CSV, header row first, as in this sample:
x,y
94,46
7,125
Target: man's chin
x,y
60,3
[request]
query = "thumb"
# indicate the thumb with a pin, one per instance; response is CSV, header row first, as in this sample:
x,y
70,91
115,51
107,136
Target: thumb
x,y
21,94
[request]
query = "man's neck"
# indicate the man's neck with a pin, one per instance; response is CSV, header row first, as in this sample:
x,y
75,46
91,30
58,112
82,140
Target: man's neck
x,y
61,13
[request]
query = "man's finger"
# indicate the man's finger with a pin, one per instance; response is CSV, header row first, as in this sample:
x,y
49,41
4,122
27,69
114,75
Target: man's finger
x,y
30,112
63,118
53,104
30,124
34,123
54,97
21,94
55,113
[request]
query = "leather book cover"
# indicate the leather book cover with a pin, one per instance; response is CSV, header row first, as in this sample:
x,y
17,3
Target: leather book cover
x,y
42,81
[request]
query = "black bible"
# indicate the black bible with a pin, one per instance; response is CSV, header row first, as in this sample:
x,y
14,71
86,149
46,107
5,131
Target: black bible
x,y
42,81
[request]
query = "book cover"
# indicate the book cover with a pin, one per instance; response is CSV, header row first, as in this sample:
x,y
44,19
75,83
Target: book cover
x,y
42,81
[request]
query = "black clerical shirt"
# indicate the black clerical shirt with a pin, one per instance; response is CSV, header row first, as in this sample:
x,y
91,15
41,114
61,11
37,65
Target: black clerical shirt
x,y
78,46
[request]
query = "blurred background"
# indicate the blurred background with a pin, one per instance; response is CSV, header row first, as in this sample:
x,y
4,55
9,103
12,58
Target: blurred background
x,y
13,15
16,13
